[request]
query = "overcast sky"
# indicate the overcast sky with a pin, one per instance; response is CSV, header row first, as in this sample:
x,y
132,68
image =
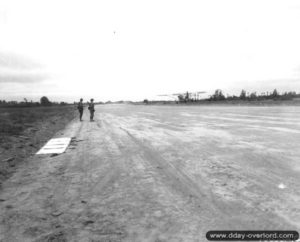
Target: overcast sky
x,y
131,50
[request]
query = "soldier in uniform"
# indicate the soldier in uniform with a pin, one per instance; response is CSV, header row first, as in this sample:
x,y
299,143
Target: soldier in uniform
x,y
80,108
92,109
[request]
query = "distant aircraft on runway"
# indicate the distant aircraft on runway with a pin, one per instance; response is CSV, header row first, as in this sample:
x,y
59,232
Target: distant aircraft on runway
x,y
184,96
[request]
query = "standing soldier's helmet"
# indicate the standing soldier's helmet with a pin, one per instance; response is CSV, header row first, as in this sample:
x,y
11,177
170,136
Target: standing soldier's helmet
x,y
81,99
92,99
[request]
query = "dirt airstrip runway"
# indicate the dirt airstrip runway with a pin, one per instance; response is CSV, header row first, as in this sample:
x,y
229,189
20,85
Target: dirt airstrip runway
x,y
160,173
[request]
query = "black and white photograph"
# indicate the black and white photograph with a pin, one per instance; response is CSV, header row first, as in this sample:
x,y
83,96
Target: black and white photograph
x,y
149,121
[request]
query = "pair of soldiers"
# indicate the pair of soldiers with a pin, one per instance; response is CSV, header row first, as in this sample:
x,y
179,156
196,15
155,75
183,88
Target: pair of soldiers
x,y
91,108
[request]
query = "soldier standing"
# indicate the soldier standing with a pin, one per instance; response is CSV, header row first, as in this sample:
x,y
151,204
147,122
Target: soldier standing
x,y
92,109
80,108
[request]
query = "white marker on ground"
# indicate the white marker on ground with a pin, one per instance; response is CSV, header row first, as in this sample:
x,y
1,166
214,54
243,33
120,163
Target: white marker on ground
x,y
281,186
55,146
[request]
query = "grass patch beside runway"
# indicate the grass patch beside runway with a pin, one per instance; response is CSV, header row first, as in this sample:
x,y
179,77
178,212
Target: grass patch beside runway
x,y
24,130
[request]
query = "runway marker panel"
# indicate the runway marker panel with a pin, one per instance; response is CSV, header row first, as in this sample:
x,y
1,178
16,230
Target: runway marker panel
x,y
55,146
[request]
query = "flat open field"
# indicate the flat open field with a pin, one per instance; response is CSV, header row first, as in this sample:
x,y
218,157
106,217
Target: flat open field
x,y
160,173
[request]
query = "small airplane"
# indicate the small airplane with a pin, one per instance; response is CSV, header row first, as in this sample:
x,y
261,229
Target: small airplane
x,y
184,96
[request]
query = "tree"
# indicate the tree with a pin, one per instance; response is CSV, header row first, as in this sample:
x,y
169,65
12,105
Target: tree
x,y
275,93
45,101
243,95
253,96
218,95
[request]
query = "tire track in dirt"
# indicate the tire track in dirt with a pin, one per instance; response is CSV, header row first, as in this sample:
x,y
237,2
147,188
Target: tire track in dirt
x,y
201,196
144,181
